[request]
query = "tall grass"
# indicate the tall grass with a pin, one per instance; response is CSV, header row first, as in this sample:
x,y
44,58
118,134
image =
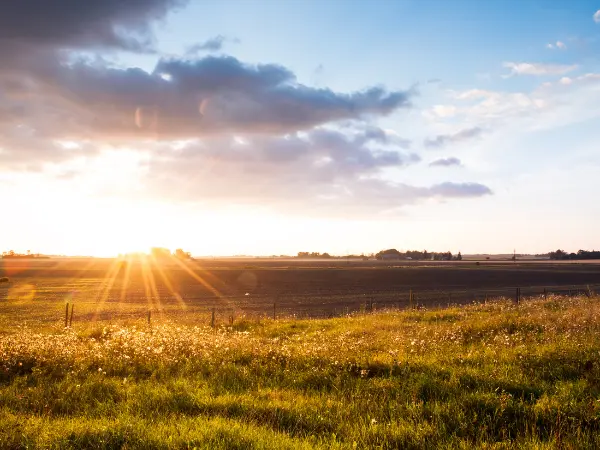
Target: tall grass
x,y
496,375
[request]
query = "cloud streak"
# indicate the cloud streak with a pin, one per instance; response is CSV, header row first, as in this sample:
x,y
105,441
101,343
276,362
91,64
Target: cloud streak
x,y
538,69
441,140
214,44
446,162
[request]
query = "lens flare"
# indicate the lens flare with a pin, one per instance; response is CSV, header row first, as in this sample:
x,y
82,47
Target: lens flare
x,y
203,107
146,118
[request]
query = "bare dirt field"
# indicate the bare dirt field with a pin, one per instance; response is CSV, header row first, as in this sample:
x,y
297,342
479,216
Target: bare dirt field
x,y
109,288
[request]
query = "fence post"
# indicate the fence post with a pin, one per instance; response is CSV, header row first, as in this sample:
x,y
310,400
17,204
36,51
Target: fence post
x,y
545,294
212,318
67,315
518,296
410,299
71,318
149,317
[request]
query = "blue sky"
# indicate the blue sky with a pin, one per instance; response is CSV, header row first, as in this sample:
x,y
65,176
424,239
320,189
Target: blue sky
x,y
339,126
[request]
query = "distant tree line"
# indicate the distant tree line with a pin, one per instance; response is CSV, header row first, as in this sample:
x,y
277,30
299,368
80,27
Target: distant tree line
x,y
164,253
581,254
13,254
313,255
424,255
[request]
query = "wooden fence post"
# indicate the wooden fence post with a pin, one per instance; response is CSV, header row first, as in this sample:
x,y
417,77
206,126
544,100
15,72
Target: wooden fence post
x,y
518,296
67,315
71,318
545,294
149,317
410,299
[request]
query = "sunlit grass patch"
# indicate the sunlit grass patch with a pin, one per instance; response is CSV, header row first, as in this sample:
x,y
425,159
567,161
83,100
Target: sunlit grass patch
x,y
495,375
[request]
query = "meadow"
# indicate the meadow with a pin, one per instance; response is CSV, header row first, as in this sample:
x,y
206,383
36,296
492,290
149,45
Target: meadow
x,y
489,375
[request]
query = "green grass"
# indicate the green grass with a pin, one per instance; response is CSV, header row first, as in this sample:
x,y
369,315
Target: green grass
x,y
487,376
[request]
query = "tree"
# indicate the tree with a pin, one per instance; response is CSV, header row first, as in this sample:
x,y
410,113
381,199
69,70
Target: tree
x,y
389,253
459,257
558,255
160,253
179,253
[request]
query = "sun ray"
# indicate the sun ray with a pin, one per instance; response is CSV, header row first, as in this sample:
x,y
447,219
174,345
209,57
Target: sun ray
x,y
223,301
145,281
125,283
197,267
152,284
196,277
109,281
81,271
165,279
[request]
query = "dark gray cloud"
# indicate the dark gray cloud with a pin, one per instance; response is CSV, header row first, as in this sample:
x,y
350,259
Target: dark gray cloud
x,y
446,162
459,190
212,129
442,140
214,44
76,24
325,172
185,99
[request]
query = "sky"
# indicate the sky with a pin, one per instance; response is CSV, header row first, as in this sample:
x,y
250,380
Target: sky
x,y
268,128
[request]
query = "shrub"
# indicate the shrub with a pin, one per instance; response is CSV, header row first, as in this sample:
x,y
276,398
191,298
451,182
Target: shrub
x,y
4,280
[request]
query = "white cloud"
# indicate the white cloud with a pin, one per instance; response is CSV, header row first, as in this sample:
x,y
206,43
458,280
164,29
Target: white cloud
x,y
558,45
444,110
538,69
472,94
564,101
597,16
